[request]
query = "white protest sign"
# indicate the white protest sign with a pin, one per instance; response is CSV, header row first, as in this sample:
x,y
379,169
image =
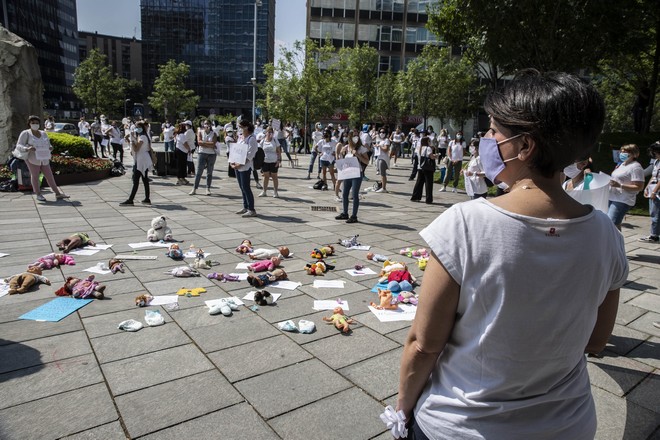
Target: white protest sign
x,y
348,168
238,153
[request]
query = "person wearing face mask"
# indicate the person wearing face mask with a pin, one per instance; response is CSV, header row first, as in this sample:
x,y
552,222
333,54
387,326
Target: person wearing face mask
x,y
576,173
317,136
455,151
168,137
141,163
475,178
97,136
627,180
33,147
243,171
353,148
414,138
185,143
427,157
272,162
206,157
116,141
443,143
340,151
396,138
497,347
383,160
652,192
326,150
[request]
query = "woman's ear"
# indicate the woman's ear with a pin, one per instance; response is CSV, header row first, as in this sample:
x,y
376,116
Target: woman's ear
x,y
527,149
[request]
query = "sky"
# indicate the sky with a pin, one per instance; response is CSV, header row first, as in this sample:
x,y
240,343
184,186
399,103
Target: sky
x,y
121,18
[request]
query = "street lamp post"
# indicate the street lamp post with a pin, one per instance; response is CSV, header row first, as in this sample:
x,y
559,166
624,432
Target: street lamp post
x,y
126,102
257,3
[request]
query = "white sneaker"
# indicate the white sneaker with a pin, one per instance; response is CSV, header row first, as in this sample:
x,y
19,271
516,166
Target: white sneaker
x,y
41,198
338,199
242,211
443,189
275,195
263,193
250,214
453,190
192,192
208,191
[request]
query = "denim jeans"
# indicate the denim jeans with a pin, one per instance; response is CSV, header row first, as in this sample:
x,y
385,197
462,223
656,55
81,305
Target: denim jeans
x,y
243,178
654,209
616,211
353,184
311,162
205,161
285,147
169,146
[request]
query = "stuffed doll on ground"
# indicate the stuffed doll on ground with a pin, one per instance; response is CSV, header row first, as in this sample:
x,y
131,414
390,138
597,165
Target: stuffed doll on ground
x,y
77,240
263,298
378,258
116,265
81,289
340,321
395,271
22,282
385,301
159,230
264,279
224,277
174,252
349,242
266,254
265,265
52,260
318,267
323,252
245,247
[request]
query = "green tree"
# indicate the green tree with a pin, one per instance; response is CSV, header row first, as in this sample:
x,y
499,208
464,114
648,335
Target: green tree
x,y
170,96
96,87
389,94
357,73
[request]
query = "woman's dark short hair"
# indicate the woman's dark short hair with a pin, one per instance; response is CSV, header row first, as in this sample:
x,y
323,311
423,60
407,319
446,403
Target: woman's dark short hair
x,y
560,112
247,124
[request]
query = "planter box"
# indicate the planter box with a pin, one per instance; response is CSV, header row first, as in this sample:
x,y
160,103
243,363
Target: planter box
x,y
70,179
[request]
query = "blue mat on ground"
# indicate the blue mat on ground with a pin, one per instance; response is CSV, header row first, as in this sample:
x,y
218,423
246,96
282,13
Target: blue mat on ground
x,y
55,310
381,286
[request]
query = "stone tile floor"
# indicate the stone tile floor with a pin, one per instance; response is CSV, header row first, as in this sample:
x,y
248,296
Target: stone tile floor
x,y
202,376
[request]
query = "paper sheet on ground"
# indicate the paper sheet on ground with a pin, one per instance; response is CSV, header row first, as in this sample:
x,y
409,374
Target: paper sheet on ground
x,y
98,270
362,247
136,257
330,304
4,288
250,296
329,284
100,247
146,244
241,276
212,302
287,285
363,271
244,265
164,299
193,254
85,251
405,312
3,255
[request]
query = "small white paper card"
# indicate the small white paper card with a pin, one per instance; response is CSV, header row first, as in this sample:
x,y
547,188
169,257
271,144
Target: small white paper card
x,y
164,299
98,270
243,265
4,288
144,244
3,255
405,312
241,276
286,285
348,168
213,302
359,248
330,304
363,271
250,296
100,247
238,153
85,251
193,254
329,284
276,124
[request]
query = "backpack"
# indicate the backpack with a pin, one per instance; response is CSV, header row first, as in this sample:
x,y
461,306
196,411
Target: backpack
x,y
320,184
258,160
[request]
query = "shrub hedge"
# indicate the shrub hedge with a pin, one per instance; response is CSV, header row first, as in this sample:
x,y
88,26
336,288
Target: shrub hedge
x,y
76,146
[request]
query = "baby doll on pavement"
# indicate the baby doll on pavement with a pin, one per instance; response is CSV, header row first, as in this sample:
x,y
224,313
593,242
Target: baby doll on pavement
x,y
52,260
266,254
265,265
266,278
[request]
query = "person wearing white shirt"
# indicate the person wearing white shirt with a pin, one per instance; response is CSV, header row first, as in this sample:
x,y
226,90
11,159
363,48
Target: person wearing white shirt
x,y
397,139
353,148
414,140
140,147
83,128
475,178
455,152
185,143
243,170
168,137
325,148
317,136
627,180
427,157
116,141
652,192
205,157
383,160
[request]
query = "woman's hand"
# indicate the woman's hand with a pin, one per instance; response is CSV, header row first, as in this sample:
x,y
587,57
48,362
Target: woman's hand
x,y
615,184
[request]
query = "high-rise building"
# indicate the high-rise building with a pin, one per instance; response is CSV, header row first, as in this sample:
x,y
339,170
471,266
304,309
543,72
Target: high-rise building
x,y
124,54
51,26
396,28
215,38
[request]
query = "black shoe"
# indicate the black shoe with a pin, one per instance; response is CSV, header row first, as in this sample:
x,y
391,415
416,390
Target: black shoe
x,y
353,219
342,216
126,203
415,200
146,202
411,178
429,203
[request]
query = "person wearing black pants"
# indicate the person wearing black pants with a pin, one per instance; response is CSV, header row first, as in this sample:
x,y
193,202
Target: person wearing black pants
x,y
185,142
425,173
142,157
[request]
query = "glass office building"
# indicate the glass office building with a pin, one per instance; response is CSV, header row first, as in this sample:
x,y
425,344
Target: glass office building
x,y
215,38
51,26
396,28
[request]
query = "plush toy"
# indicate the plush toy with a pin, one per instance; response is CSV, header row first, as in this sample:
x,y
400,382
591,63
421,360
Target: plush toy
x,y
245,247
264,265
376,257
21,283
349,242
340,320
77,240
323,252
174,252
266,278
116,265
53,260
265,254
390,266
159,230
190,292
81,289
414,253
224,277
263,298
385,301
183,272
201,263
399,286
406,297
318,267
422,262
143,300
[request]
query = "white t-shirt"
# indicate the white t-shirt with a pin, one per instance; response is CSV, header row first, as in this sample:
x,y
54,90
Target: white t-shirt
x,y
475,184
626,174
270,150
207,137
366,140
397,137
443,141
317,135
455,151
168,134
514,366
327,150
83,127
383,155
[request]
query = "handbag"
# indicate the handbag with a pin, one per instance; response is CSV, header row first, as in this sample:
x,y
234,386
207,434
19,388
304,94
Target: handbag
x,y
18,154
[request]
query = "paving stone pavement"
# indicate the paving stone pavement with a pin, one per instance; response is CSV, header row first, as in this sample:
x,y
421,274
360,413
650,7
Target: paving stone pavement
x,y
240,377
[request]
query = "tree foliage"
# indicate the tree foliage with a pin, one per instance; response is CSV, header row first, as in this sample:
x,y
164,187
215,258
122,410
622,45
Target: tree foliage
x,y
96,87
389,95
357,72
170,96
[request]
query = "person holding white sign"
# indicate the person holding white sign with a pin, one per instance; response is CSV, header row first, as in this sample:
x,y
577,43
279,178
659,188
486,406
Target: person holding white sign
x,y
33,146
354,149
243,170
